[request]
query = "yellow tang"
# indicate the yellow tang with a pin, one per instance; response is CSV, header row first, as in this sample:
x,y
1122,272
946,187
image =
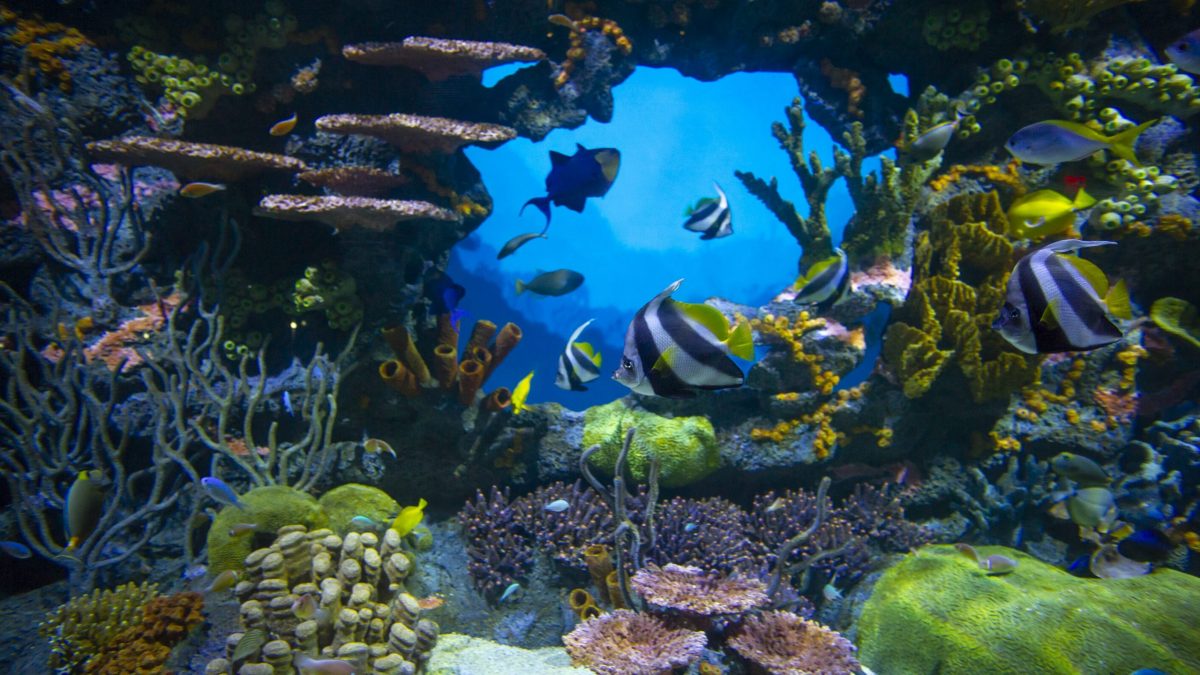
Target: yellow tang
x,y
284,127
409,518
1045,212
198,189
520,393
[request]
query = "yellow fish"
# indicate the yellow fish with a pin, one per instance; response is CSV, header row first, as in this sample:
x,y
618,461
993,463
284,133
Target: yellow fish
x,y
409,518
520,393
284,127
224,581
378,446
1045,212
198,189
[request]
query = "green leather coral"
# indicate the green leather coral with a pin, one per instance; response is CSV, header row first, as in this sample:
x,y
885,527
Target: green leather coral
x,y
961,267
937,611
685,446
269,508
344,502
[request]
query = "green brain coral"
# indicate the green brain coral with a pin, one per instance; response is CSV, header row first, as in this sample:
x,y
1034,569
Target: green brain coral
x,y
936,611
270,508
344,502
686,446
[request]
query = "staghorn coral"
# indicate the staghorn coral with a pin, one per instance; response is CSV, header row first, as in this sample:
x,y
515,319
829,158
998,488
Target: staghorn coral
x,y
499,551
438,58
705,533
936,607
565,535
782,642
201,161
144,648
343,213
962,265
623,642
356,582
692,591
80,629
417,134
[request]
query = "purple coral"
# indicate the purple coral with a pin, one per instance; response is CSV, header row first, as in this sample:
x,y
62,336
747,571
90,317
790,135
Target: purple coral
x,y
563,535
500,552
691,590
623,642
781,642
705,533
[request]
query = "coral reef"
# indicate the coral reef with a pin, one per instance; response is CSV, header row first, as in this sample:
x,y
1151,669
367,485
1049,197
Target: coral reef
x,y
937,606
781,642
145,647
44,44
622,642
268,509
344,502
79,630
417,134
344,213
438,58
685,447
692,591
198,161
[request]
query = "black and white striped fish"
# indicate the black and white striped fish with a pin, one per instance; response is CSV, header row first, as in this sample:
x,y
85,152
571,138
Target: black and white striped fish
x,y
1061,303
712,217
578,364
825,283
674,348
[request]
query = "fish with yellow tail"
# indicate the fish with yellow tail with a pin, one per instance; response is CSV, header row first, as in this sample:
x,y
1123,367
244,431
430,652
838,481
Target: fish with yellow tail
x,y
578,364
1057,141
85,506
521,393
283,127
935,139
825,283
1045,212
409,518
1061,303
673,349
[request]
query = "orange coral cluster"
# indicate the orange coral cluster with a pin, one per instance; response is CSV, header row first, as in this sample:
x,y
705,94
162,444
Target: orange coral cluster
x,y
1005,176
848,81
576,51
118,346
463,206
1175,226
145,647
821,418
780,329
45,46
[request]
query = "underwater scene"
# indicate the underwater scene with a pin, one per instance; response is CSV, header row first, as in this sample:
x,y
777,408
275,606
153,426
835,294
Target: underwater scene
x,y
628,337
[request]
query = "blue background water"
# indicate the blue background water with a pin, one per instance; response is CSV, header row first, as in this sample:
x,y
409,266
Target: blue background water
x,y
630,244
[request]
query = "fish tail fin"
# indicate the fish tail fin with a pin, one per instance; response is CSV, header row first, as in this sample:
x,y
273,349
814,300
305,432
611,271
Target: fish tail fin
x,y
520,287
741,341
1117,301
1121,144
1083,200
542,204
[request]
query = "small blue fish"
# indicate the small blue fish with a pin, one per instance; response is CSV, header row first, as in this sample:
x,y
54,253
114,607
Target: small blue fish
x,y
512,588
1185,53
690,527
287,403
220,492
1081,566
16,549
444,295
557,506
572,179
363,524
1148,671
194,572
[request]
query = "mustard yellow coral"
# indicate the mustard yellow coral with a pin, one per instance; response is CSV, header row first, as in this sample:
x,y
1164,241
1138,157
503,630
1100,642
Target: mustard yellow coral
x,y
45,45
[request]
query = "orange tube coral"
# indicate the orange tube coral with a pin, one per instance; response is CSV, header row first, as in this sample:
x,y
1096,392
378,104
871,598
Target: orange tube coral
x,y
399,377
484,357
470,379
412,357
481,332
498,400
447,332
579,598
506,340
600,565
590,612
613,587
445,364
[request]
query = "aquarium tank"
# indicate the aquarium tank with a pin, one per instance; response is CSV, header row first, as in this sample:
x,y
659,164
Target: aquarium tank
x,y
627,337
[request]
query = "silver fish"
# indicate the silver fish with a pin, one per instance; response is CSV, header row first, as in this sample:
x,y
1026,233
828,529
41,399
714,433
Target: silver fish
x,y
935,139
557,506
508,592
1185,52
1057,141
1079,469
517,242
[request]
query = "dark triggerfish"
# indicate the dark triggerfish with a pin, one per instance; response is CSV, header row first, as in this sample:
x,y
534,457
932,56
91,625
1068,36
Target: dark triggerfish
x,y
674,348
587,173
1061,303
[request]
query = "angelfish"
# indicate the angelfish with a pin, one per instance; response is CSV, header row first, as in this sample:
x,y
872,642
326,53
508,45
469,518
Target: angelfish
x,y
1061,303
572,179
825,283
578,364
674,348
1056,141
711,216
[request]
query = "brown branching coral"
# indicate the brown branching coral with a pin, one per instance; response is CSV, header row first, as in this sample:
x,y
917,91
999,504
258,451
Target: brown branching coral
x,y
81,628
784,643
624,642
380,215
191,160
691,590
438,58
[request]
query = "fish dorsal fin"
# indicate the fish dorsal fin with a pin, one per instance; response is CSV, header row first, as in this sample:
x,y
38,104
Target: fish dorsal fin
x,y
1049,317
578,331
1068,245
666,292
1117,301
557,158
1089,271
816,269
741,341
586,348
707,316
579,147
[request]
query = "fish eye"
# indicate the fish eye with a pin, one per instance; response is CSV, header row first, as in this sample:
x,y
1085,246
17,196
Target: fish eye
x,y
626,364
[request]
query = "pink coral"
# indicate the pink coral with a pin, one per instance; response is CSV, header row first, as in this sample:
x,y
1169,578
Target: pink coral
x,y
623,642
693,591
117,347
786,644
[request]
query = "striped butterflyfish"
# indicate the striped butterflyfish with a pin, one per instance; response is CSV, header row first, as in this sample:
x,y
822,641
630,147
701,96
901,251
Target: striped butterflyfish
x,y
578,364
711,216
825,283
674,348
1061,303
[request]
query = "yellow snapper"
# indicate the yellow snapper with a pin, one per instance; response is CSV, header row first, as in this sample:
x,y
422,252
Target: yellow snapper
x,y
1045,212
521,392
409,518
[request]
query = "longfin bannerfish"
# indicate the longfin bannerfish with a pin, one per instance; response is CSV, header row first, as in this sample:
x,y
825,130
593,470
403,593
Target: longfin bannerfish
x,y
1057,141
284,127
200,189
574,178
825,283
674,348
578,364
1059,303
712,217
1045,212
